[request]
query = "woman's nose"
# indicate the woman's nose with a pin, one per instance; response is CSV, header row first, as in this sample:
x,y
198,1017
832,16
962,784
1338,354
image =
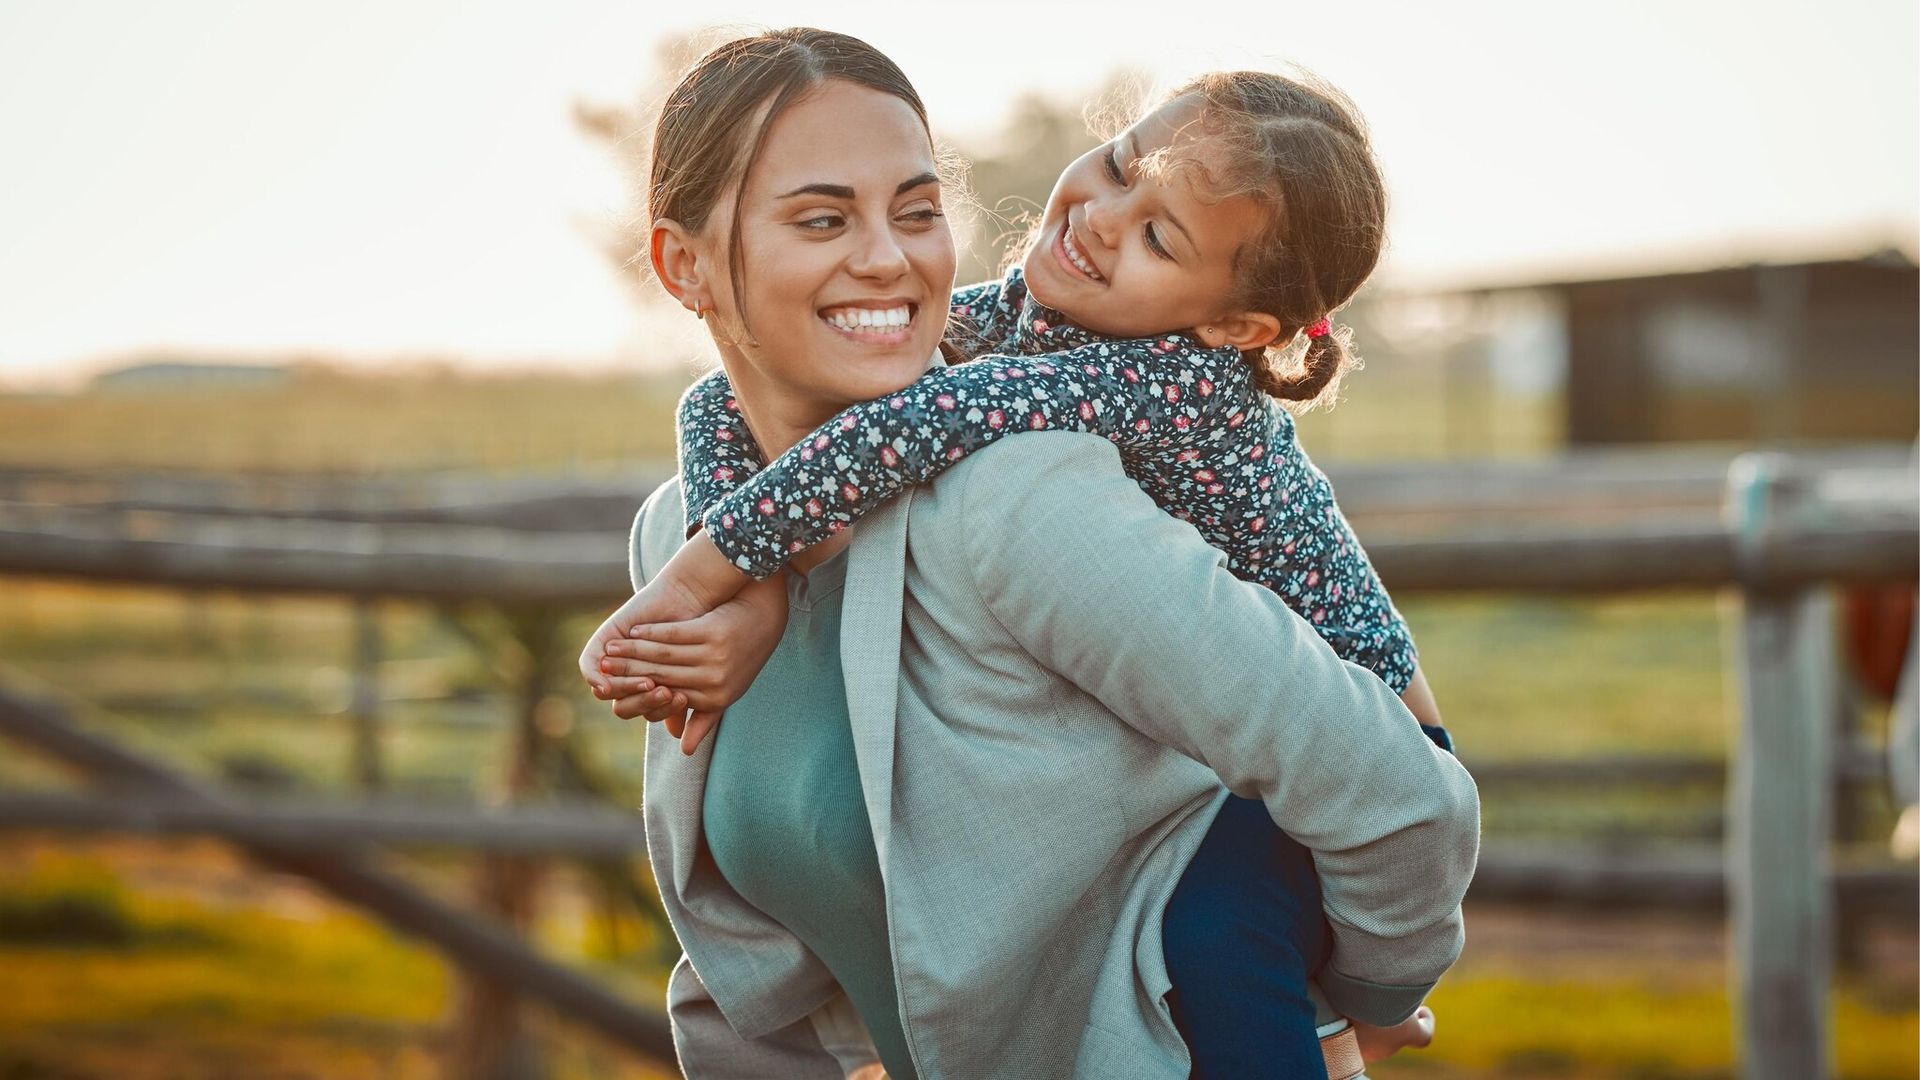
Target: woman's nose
x,y
878,255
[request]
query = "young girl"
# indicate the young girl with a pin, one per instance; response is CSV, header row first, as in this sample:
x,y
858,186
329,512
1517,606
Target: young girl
x,y
1171,270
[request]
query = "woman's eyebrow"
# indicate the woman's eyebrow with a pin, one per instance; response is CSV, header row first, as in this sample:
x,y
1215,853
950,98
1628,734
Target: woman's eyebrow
x,y
831,191
842,191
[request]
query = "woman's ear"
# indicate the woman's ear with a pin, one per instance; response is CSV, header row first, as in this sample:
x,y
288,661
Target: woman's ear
x,y
1240,329
678,265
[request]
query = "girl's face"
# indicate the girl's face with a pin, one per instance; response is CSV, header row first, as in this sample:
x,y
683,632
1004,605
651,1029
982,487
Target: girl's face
x,y
1131,255
848,259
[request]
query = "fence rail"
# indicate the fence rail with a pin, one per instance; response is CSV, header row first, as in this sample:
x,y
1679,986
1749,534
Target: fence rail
x,y
1790,528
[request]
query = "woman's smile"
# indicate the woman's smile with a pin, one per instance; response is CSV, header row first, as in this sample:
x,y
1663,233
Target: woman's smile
x,y
885,321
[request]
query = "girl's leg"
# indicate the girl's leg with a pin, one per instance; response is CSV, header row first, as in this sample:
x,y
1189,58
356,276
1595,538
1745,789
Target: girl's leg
x,y
1242,933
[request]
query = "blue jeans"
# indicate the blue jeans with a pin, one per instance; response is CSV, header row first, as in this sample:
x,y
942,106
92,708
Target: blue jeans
x,y
1243,932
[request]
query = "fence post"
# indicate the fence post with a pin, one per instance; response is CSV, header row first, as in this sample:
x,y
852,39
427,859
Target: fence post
x,y
367,766
1780,800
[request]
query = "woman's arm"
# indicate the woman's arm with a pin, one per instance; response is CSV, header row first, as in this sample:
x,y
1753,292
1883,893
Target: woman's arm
x,y
1087,574
827,1044
1138,393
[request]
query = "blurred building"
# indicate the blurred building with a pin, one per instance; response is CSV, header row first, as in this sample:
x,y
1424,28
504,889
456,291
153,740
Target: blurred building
x,y
1748,354
189,375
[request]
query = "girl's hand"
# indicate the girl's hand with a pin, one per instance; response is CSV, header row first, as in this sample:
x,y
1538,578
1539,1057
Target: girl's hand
x,y
708,662
1377,1043
695,581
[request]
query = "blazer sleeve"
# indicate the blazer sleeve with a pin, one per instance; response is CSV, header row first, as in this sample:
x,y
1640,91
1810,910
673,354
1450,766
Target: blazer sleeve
x,y
1132,606
815,1047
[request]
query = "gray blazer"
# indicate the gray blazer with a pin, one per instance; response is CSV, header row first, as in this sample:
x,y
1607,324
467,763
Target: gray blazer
x,y
1052,686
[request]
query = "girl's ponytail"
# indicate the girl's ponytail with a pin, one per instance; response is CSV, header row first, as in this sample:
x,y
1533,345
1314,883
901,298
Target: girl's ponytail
x,y
1314,378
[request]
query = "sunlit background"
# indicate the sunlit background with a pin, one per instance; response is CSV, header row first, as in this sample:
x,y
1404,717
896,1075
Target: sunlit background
x,y
368,264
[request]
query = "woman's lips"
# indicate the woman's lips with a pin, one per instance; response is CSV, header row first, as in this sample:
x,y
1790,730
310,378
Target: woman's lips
x,y
889,325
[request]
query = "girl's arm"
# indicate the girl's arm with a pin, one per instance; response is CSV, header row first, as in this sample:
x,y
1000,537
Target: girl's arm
x,y
1137,393
717,452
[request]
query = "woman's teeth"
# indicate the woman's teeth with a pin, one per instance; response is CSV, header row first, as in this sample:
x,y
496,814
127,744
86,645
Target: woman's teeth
x,y
1074,256
868,318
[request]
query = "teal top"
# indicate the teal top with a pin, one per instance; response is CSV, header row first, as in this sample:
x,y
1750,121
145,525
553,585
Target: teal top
x,y
784,816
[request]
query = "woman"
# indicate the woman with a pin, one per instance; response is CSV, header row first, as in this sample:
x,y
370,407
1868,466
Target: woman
x,y
956,800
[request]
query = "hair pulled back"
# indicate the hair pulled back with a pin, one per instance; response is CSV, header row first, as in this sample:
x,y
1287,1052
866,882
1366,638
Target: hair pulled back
x,y
1300,147
706,139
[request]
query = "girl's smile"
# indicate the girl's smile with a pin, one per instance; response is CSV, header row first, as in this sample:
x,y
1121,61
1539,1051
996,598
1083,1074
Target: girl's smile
x,y
1075,260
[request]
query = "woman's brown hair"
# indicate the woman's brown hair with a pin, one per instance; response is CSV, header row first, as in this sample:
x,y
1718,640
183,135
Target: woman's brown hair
x,y
1300,147
706,140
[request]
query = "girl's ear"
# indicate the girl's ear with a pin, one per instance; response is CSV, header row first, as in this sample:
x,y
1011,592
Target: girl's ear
x,y
1241,329
677,263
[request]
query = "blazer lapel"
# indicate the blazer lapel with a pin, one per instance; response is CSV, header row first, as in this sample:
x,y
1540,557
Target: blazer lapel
x,y
870,655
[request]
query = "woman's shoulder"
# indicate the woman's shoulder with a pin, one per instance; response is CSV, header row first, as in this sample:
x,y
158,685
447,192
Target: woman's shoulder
x,y
658,531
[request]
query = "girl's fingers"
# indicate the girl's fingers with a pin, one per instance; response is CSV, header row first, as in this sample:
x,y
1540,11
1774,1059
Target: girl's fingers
x,y
654,651
674,633
648,669
668,674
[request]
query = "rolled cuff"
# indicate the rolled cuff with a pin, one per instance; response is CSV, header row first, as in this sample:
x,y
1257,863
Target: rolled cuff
x,y
1370,1003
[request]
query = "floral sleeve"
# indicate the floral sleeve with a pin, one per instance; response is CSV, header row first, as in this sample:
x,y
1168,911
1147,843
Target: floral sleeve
x,y
717,452
1139,393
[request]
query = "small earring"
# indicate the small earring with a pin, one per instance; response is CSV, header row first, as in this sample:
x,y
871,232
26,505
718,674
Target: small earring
x,y
700,310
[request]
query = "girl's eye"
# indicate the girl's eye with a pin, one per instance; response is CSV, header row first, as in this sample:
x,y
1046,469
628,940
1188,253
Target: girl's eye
x,y
1113,168
1154,244
923,216
822,223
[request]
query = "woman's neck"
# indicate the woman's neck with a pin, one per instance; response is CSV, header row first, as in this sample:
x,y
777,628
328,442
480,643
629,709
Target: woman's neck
x,y
774,414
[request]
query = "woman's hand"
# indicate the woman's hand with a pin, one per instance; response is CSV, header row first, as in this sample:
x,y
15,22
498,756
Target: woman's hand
x,y
708,662
1377,1043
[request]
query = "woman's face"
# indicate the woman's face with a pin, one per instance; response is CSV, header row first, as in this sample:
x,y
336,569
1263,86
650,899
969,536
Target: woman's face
x,y
1133,255
847,258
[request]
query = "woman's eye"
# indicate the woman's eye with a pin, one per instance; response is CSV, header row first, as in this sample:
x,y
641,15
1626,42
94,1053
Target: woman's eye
x,y
822,223
1113,168
923,216
1154,244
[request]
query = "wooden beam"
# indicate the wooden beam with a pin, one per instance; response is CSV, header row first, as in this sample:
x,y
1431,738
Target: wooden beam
x,y
588,570
333,826
480,946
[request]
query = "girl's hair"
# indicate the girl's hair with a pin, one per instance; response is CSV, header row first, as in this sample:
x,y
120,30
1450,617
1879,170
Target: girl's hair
x,y
1300,147
705,139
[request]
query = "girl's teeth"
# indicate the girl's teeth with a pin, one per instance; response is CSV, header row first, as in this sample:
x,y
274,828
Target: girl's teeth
x,y
1073,254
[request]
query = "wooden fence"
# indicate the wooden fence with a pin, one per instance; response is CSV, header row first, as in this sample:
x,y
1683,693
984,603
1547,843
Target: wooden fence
x,y
1779,529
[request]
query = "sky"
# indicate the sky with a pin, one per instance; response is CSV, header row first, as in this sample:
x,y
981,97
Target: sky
x,y
377,180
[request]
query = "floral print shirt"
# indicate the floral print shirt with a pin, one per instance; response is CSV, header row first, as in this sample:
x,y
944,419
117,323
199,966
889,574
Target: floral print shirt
x,y
1191,428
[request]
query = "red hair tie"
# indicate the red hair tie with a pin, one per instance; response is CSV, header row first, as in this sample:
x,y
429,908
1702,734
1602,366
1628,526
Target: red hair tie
x,y
1320,329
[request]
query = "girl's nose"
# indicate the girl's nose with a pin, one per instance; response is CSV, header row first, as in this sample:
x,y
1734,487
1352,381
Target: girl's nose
x,y
1102,217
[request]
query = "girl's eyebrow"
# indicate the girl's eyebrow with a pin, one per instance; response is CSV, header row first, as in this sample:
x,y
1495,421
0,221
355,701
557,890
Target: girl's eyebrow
x,y
1133,144
842,191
